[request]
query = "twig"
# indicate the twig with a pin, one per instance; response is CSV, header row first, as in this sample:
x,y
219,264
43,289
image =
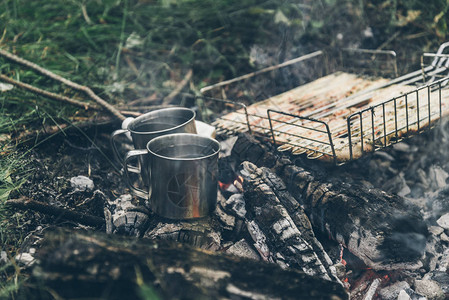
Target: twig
x,y
145,108
58,97
390,39
271,68
67,82
51,95
130,113
178,88
85,15
25,203
142,101
132,65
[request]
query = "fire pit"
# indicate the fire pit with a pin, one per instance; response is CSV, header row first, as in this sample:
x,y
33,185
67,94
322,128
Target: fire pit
x,y
365,230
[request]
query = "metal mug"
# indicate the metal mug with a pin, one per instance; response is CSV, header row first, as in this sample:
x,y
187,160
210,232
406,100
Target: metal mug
x,y
153,124
183,171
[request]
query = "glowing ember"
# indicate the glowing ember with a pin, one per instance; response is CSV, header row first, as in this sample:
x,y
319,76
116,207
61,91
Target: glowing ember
x,y
223,186
342,260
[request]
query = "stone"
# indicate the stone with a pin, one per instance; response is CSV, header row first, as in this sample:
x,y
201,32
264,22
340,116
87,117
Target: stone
x,y
392,292
429,289
443,221
82,183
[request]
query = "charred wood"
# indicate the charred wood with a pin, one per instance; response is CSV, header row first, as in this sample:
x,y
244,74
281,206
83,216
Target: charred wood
x,y
77,264
290,244
205,233
123,217
25,203
380,228
198,234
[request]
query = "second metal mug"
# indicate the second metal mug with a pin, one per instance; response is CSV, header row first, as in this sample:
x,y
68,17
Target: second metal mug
x,y
153,124
183,171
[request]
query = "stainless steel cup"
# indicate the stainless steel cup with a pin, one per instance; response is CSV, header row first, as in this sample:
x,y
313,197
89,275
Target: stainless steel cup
x,y
153,124
183,170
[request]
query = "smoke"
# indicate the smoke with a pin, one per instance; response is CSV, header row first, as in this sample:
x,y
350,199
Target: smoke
x,y
407,240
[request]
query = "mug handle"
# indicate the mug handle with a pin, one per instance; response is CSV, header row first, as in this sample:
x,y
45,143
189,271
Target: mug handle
x,y
117,154
138,192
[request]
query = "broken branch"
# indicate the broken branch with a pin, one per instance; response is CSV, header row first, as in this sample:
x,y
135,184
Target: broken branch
x,y
61,98
51,95
27,203
178,88
63,80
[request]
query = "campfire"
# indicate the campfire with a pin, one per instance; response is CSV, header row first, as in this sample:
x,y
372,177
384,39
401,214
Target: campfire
x,y
308,190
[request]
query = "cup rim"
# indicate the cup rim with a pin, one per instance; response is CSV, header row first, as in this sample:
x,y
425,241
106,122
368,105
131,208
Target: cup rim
x,y
163,130
212,140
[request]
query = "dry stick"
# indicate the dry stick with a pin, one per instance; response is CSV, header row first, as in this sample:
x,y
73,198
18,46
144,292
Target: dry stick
x,y
58,97
141,101
145,108
51,95
178,88
25,203
67,82
132,65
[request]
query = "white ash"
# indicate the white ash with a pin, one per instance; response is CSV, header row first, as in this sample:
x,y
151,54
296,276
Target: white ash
x,y
372,289
82,183
227,145
123,217
442,278
120,206
392,292
236,204
226,220
243,249
237,293
259,239
430,289
444,237
443,221
436,230
403,295
409,294
437,177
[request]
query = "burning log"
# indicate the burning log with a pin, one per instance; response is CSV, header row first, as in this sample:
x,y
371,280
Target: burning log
x,y
291,238
75,265
381,229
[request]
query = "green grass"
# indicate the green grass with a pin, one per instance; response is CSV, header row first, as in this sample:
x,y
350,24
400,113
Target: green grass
x,y
13,173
